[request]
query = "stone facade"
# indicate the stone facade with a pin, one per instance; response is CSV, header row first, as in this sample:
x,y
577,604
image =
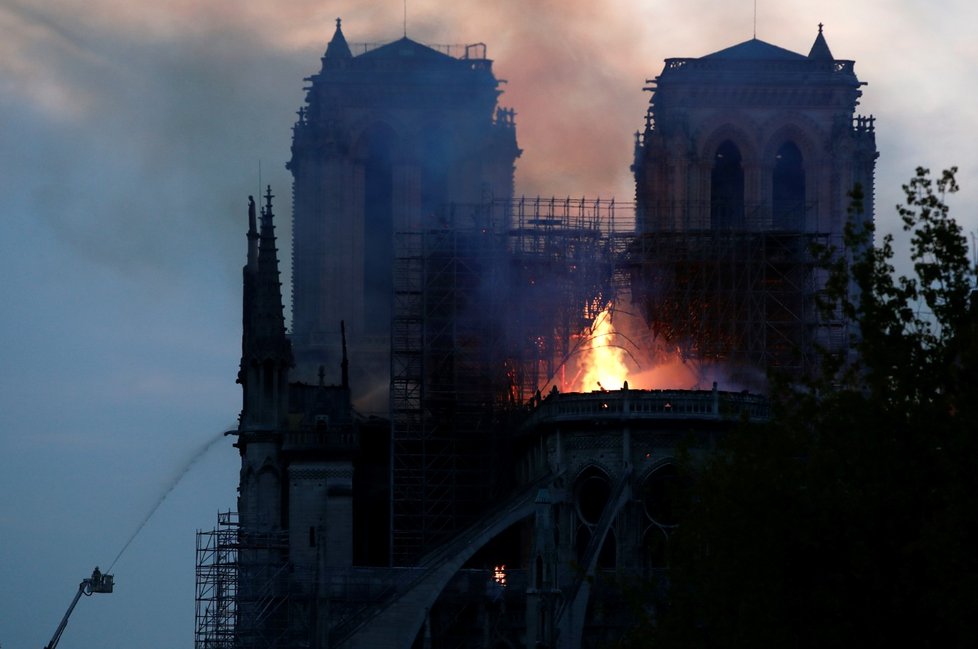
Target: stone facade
x,y
388,137
754,137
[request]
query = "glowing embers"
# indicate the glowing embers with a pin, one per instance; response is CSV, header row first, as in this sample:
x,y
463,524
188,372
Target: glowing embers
x,y
499,575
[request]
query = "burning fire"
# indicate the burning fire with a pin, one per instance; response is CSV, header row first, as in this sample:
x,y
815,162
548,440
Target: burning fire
x,y
618,347
602,364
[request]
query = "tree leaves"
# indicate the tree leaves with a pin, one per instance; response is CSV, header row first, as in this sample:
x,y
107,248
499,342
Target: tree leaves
x,y
849,519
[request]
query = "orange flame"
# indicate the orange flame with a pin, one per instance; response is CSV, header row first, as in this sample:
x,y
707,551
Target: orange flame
x,y
618,347
602,363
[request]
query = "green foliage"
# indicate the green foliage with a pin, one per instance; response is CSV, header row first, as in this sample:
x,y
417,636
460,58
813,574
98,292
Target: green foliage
x,y
849,520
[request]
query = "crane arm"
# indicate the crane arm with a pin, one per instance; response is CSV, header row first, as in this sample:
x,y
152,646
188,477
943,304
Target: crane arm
x,y
64,621
97,583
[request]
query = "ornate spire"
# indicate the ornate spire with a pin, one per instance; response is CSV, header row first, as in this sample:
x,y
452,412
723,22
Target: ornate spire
x,y
266,353
269,291
820,49
338,51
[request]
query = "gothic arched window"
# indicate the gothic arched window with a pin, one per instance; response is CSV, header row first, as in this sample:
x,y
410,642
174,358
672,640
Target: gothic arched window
x,y
727,188
788,189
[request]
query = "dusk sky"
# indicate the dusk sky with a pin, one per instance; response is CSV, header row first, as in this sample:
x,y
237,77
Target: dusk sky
x,y
131,134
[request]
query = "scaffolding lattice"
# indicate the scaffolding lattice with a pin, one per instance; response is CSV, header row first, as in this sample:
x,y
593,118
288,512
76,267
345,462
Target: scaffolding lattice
x,y
745,297
484,308
443,382
566,258
217,581
244,594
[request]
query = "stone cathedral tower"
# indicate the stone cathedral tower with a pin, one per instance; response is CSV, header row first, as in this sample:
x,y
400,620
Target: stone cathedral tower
x,y
748,156
388,137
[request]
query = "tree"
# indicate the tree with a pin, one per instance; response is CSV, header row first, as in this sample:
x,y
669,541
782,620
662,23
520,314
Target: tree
x,y
849,519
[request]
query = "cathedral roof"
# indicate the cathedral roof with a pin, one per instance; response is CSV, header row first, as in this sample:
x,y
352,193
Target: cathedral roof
x,y
405,48
820,49
338,49
755,50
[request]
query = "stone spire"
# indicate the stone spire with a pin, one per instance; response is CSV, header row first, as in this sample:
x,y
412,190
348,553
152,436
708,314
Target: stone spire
x,y
266,353
338,51
820,49
270,287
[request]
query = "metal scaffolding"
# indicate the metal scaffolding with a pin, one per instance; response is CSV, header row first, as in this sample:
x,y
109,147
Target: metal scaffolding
x,y
443,378
485,306
566,258
217,582
489,306
743,297
243,587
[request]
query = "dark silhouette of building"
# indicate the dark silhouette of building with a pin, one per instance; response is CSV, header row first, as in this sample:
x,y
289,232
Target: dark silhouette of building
x,y
477,505
388,137
748,157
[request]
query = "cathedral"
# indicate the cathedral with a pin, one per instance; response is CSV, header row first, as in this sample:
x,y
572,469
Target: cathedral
x,y
417,471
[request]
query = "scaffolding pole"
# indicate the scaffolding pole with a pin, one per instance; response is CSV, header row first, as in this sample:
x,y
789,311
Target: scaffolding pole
x,y
217,580
243,587
482,317
742,297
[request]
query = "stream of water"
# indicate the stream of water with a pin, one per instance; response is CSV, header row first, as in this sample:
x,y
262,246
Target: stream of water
x,y
170,486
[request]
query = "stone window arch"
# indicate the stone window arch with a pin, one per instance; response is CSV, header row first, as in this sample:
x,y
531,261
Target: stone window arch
x,y
788,188
592,489
727,188
655,543
662,495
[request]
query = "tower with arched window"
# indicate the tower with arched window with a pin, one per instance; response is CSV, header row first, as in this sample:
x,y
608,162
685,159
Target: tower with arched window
x,y
388,137
748,155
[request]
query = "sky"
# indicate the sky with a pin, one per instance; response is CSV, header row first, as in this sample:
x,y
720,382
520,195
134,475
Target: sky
x,y
132,132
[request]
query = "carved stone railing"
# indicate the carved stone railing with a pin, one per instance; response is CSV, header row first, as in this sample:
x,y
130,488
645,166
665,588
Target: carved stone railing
x,y
651,404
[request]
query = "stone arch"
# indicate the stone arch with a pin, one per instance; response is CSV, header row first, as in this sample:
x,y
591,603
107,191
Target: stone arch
x,y
737,128
586,465
655,543
660,493
652,468
790,186
591,491
741,131
802,130
727,187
